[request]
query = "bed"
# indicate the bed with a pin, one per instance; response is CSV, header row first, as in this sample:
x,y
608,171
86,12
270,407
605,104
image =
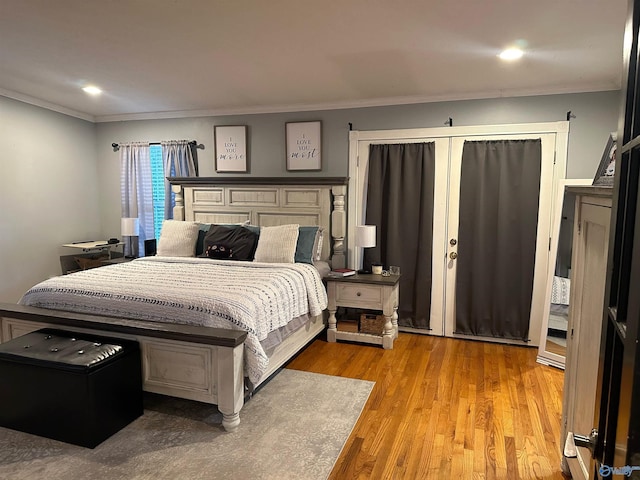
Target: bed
x,y
559,309
182,355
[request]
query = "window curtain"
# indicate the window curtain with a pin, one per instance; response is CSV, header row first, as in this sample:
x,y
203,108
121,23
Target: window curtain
x,y
179,160
136,192
400,204
498,220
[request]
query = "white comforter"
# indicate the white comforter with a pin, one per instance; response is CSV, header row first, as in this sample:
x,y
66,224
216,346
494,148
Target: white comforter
x,y
255,297
560,290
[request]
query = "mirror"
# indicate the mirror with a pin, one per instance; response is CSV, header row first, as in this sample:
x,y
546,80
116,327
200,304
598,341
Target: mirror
x,y
553,341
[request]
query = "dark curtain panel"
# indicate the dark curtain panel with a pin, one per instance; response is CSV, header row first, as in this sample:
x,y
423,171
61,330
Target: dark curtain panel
x,y
499,193
193,146
400,205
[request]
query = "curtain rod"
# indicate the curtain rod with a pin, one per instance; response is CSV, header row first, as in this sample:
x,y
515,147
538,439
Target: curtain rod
x,y
116,146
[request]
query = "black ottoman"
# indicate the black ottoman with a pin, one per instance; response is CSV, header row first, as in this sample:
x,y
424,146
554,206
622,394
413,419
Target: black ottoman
x,y
77,388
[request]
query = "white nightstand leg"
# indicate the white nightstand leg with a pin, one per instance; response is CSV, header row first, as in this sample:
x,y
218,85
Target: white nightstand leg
x,y
389,333
394,321
331,331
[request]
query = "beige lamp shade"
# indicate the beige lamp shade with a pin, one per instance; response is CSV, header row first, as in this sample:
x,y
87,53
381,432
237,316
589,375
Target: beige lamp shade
x,y
365,236
129,227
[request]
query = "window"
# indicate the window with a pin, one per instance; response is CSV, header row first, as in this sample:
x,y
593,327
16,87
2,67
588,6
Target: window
x,y
143,169
157,185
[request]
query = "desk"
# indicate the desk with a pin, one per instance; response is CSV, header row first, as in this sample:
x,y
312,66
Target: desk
x,y
91,254
93,246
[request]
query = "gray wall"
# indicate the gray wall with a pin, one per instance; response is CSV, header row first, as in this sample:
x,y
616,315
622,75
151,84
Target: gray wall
x,y
62,180
48,193
596,116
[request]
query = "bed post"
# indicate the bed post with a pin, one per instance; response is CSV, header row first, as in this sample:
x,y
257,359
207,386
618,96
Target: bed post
x,y
338,226
178,209
230,381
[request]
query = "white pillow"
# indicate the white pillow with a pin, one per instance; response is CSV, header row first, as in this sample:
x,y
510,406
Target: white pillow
x,y
277,244
178,239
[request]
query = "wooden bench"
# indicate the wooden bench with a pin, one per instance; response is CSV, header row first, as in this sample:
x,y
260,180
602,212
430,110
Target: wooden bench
x,y
185,361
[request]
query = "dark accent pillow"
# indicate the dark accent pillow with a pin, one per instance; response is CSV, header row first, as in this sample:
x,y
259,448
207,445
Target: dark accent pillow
x,y
304,247
204,228
202,232
242,241
219,251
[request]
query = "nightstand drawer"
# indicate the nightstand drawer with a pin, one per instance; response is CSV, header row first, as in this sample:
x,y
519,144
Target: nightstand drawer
x,y
355,295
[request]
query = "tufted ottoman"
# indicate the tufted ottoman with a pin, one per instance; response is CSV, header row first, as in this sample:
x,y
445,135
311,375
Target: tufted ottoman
x,y
77,388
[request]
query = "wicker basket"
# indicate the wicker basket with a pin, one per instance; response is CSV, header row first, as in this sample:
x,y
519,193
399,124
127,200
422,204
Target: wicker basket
x,y
85,263
372,324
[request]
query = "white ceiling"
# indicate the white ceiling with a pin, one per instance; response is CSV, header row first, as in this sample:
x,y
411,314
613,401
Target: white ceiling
x,y
171,58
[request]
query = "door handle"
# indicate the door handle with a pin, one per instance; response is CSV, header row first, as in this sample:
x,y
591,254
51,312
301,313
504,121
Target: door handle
x,y
587,441
453,255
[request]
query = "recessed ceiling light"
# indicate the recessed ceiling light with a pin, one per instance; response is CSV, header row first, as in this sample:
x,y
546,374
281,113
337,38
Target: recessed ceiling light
x,y
511,54
91,90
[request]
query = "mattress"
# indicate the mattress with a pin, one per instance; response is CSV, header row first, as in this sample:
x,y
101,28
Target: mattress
x,y
558,320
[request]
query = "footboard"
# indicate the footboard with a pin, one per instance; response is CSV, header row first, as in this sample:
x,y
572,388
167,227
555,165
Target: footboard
x,y
196,363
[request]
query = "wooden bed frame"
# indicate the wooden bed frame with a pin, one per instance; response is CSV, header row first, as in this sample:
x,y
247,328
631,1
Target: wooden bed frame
x,y
203,363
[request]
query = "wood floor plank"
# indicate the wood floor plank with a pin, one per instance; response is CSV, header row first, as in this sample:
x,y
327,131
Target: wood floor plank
x,y
479,464
446,408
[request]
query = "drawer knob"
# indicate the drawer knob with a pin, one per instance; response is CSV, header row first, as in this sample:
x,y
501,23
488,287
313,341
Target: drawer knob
x,y
358,294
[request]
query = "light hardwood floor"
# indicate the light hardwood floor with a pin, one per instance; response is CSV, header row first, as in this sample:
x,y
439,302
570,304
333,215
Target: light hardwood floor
x,y
446,408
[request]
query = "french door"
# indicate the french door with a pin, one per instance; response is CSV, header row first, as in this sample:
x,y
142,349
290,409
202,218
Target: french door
x,y
449,165
541,230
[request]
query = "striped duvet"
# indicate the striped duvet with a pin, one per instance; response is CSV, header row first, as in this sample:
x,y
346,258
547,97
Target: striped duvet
x,y
255,297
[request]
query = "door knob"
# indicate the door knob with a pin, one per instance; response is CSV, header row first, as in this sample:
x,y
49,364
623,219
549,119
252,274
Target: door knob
x,y
587,442
453,255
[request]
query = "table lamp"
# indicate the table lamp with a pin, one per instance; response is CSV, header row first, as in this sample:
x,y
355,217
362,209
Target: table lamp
x,y
365,238
129,227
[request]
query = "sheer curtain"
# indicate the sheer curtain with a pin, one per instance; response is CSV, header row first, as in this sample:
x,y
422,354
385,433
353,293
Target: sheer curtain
x,y
178,158
136,191
400,204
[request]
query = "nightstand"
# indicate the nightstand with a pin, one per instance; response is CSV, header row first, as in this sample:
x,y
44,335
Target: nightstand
x,y
368,291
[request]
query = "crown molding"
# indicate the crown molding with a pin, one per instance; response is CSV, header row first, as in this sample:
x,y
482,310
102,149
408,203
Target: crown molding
x,y
47,105
291,108
379,102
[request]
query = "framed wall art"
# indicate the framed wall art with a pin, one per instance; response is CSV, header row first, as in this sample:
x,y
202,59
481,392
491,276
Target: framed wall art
x,y
607,168
304,145
231,148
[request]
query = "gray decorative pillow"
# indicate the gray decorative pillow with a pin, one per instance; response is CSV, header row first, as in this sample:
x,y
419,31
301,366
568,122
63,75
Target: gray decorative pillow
x,y
277,244
178,239
305,252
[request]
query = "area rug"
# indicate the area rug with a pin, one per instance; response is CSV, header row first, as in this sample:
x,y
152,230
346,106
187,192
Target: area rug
x,y
293,428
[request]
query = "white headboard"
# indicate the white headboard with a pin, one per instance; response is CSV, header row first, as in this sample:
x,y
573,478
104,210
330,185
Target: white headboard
x,y
267,202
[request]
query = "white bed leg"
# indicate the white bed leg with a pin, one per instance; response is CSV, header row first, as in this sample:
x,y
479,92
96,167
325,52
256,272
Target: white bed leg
x,y
230,422
230,383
